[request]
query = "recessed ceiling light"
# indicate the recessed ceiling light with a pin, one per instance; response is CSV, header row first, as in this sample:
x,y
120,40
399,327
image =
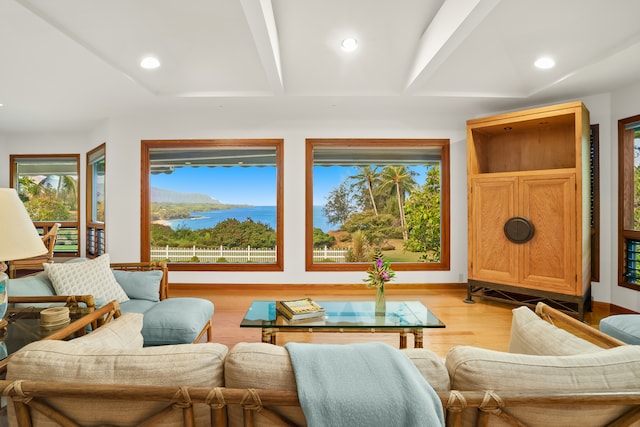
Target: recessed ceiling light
x,y
150,63
544,63
349,44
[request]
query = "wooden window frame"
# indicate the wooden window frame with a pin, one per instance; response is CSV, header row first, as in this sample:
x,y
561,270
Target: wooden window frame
x,y
145,208
95,231
625,170
443,265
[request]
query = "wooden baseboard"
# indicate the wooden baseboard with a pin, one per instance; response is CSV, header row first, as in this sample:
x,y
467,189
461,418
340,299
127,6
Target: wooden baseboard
x,y
311,286
611,308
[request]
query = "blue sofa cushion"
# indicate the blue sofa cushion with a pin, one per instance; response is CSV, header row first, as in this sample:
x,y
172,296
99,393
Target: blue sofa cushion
x,y
140,284
31,286
625,327
176,321
136,306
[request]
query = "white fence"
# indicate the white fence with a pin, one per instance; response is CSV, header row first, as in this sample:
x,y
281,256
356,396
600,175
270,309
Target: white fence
x,y
332,255
236,255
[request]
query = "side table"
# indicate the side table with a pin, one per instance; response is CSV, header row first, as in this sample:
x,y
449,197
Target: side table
x,y
23,321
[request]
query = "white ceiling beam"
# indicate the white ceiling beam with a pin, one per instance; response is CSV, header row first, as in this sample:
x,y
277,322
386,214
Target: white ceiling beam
x,y
453,23
262,24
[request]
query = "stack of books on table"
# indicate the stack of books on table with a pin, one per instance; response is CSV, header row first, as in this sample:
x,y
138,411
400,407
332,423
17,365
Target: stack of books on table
x,y
299,309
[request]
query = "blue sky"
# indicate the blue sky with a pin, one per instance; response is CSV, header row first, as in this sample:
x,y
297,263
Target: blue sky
x,y
249,185
232,185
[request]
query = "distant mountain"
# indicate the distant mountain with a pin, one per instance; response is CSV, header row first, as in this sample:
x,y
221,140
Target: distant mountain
x,y
159,195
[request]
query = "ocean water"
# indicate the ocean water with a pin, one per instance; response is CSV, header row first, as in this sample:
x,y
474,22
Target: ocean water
x,y
263,214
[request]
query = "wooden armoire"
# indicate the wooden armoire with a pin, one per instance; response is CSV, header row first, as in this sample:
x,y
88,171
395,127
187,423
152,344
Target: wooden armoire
x,y
529,207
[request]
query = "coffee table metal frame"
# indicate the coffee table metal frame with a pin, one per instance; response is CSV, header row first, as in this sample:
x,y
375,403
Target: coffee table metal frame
x,y
402,317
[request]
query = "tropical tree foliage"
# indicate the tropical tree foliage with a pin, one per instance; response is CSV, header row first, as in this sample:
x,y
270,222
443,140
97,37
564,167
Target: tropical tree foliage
x,y
400,181
422,212
376,229
360,250
340,204
230,233
53,198
322,239
378,204
47,207
368,178
636,198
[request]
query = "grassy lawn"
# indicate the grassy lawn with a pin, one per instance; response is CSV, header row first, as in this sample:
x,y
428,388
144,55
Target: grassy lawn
x,y
399,254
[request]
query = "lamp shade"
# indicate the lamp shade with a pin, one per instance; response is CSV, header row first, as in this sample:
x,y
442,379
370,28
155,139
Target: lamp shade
x,y
18,237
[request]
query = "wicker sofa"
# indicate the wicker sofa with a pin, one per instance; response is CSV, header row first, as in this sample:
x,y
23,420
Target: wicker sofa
x,y
109,379
144,289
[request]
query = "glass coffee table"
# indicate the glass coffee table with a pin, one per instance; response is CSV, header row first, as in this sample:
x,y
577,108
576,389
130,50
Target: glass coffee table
x,y
403,317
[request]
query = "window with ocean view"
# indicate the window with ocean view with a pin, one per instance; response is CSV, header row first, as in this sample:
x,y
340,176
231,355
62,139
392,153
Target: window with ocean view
x,y
369,195
213,204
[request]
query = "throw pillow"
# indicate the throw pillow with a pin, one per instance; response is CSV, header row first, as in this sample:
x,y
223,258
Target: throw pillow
x,y
140,284
532,335
93,277
119,334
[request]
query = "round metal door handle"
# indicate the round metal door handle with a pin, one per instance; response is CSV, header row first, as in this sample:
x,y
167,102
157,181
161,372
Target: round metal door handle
x,y
519,230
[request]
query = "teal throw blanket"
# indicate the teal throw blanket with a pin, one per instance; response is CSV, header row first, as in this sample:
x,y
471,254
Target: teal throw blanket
x,y
369,384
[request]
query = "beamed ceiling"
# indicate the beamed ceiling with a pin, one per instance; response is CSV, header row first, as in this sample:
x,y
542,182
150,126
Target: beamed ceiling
x,y
71,64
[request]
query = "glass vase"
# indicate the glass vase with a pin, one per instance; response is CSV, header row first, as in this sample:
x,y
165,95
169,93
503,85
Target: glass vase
x,y
381,302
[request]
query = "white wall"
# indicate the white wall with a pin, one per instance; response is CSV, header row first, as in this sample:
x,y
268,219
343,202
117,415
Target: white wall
x,y
599,108
123,136
123,187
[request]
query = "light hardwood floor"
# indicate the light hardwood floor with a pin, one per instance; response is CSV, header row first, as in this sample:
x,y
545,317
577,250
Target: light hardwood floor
x,y
484,324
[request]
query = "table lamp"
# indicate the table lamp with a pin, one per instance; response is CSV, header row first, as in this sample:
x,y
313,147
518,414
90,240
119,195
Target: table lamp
x,y
18,239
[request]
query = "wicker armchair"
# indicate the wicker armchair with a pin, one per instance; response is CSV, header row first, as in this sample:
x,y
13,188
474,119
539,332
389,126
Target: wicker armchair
x,y
35,263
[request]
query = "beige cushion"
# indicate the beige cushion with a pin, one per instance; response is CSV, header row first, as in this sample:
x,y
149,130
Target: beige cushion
x,y
173,365
532,335
92,277
260,365
431,366
121,333
472,368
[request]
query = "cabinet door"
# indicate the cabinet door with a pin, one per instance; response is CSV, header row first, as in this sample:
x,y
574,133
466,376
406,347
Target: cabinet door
x,y
548,259
493,257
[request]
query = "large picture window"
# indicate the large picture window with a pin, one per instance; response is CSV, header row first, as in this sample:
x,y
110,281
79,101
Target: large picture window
x,y
95,212
213,204
48,186
366,195
629,202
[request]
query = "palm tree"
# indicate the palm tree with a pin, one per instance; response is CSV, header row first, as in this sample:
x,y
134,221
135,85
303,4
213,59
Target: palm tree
x,y
399,180
68,190
368,177
65,188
